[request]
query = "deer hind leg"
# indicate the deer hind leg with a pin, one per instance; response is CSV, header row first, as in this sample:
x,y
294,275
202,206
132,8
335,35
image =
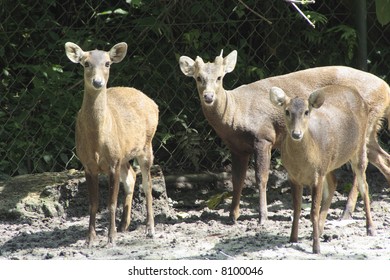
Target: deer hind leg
x,y
113,178
377,156
329,188
128,179
380,159
146,162
351,201
239,168
93,195
359,166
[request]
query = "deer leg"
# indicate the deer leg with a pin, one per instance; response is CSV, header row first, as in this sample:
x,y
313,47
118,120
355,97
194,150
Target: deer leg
x,y
359,168
380,159
377,156
351,201
296,192
315,211
145,164
128,179
262,161
239,168
113,177
329,188
93,195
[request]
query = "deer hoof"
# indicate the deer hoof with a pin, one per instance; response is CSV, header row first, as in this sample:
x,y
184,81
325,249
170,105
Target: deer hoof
x,y
149,232
371,231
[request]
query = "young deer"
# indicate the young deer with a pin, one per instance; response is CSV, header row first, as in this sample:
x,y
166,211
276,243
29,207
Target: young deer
x,y
324,132
248,123
114,125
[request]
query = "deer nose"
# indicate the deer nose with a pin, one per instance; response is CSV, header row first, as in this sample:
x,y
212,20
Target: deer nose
x,y
296,135
208,97
97,83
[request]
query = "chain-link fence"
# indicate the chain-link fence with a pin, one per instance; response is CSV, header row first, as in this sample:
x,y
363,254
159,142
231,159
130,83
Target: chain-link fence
x,y
41,90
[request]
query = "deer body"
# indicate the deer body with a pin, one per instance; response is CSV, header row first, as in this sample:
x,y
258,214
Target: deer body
x,y
248,123
113,126
324,132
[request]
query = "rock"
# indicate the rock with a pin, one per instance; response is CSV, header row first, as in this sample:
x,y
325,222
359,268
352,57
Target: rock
x,y
64,194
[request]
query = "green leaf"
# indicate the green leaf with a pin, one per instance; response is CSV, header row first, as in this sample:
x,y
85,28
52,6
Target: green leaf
x,y
383,11
120,12
217,199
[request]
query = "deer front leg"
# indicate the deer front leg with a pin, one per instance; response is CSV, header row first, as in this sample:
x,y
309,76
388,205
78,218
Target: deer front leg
x,y
239,168
93,195
296,193
315,213
262,165
128,179
114,174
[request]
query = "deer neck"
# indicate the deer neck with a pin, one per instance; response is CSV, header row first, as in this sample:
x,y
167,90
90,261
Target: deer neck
x,y
304,151
94,109
220,114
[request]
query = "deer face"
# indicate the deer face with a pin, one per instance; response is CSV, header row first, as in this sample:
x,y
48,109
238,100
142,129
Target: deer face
x,y
96,68
96,63
296,110
296,113
208,76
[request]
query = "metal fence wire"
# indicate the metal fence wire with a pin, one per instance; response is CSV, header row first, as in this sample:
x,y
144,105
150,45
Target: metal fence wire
x,y
41,90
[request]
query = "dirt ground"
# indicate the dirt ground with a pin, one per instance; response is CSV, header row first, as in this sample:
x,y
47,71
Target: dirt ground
x,y
45,216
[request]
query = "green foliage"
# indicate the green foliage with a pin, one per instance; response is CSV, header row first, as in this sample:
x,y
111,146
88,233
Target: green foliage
x,y
383,11
41,90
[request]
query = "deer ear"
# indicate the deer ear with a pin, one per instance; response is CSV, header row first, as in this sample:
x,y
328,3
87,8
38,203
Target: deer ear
x,y
316,99
230,61
118,52
277,96
74,52
187,66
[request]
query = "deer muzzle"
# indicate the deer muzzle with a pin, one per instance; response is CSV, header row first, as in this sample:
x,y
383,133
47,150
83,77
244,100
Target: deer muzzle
x,y
296,135
208,97
98,83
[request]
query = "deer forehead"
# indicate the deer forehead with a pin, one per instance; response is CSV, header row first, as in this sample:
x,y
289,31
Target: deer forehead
x,y
97,57
297,105
210,70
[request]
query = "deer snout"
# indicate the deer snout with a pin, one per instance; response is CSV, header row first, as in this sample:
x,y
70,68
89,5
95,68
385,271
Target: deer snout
x,y
208,97
296,135
98,83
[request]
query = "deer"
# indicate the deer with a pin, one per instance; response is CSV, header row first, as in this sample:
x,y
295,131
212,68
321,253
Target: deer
x,y
249,124
113,126
324,132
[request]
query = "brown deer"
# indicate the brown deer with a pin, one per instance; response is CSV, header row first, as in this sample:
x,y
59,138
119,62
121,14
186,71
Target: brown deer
x,y
248,123
113,126
324,132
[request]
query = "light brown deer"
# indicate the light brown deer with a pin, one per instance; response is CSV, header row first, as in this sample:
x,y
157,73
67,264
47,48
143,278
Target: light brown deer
x,y
114,125
324,132
249,124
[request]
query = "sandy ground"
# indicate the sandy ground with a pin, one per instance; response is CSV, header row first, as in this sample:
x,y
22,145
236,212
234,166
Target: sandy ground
x,y
185,227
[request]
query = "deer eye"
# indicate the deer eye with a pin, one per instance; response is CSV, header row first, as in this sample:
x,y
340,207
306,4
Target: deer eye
x,y
287,112
306,113
86,64
107,64
199,79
